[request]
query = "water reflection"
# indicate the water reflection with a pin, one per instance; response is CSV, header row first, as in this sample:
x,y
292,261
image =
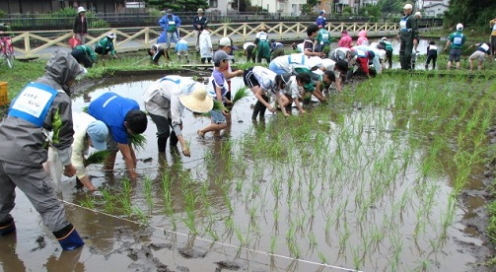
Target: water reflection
x,y
67,261
8,258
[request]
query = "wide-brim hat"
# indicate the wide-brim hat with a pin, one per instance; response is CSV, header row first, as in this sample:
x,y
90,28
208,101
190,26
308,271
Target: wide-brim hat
x,y
198,100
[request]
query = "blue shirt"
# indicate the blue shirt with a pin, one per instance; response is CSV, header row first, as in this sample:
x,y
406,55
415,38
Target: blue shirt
x,y
111,109
217,80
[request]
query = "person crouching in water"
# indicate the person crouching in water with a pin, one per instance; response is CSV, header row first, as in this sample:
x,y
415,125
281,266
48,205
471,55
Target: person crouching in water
x,y
43,107
263,46
249,50
157,51
182,50
276,49
263,83
87,132
165,101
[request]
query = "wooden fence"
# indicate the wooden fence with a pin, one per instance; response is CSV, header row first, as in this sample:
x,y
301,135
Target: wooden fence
x,y
38,43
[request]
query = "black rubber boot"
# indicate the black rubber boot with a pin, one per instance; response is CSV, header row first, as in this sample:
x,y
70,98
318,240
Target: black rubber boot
x,y
173,139
161,144
256,110
7,226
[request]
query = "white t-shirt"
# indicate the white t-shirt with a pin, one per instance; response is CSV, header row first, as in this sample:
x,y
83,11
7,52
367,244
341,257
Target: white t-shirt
x,y
292,88
265,77
288,61
262,36
245,46
328,64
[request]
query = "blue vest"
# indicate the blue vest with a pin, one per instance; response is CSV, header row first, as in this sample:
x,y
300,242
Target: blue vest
x,y
33,103
403,23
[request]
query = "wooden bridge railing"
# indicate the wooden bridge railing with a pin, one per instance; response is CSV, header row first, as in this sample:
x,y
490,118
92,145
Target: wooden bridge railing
x,y
38,43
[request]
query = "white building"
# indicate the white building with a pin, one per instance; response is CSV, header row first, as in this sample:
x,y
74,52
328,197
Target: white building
x,y
222,7
434,10
280,6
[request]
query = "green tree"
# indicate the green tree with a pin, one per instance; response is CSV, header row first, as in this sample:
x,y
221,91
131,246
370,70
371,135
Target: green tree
x,y
472,13
391,6
243,4
178,5
309,6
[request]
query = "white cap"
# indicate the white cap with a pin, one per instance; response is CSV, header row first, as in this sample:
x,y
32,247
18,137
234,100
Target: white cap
x,y
81,9
225,42
408,6
459,27
418,14
111,35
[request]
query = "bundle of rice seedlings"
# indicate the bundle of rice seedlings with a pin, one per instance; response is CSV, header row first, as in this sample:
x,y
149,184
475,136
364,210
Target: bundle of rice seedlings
x,y
96,157
138,141
240,94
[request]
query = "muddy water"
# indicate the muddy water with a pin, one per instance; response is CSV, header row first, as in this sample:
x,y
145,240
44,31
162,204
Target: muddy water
x,y
323,210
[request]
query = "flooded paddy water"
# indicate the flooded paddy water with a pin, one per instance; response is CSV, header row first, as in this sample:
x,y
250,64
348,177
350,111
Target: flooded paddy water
x,y
385,177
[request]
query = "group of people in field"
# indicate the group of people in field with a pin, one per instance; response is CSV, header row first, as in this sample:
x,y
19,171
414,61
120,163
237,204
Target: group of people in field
x,y
41,115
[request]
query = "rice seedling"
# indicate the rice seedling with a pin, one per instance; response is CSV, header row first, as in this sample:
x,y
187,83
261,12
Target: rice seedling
x,y
354,177
96,157
137,141
240,94
88,203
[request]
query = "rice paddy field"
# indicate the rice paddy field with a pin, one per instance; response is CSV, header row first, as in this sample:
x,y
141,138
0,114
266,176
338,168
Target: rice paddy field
x,y
371,181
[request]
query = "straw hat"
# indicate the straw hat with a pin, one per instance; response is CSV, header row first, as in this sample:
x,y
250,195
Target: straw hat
x,y
198,100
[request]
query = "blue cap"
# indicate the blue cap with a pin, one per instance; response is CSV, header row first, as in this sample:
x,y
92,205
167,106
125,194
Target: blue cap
x,y
98,133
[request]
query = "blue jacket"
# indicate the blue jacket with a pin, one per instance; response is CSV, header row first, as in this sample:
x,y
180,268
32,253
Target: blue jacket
x,y
170,24
321,20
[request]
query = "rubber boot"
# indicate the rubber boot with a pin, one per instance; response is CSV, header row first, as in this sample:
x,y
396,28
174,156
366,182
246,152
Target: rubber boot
x,y
256,110
68,238
263,107
7,226
173,139
161,144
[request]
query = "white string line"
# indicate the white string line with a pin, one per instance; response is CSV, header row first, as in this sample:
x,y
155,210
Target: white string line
x,y
219,243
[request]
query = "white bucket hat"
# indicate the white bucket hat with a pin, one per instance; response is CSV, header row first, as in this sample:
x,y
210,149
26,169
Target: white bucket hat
x,y
81,9
111,35
198,100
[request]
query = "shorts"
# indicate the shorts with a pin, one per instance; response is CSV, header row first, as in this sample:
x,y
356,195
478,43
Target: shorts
x,y
276,69
101,51
479,55
217,117
455,54
111,144
249,78
182,53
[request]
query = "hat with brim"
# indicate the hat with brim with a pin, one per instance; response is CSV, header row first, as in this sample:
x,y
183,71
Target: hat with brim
x,y
198,100
98,132
81,9
200,10
111,35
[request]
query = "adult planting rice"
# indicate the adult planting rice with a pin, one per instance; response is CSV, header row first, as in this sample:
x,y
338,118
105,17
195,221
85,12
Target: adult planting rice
x,y
165,101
